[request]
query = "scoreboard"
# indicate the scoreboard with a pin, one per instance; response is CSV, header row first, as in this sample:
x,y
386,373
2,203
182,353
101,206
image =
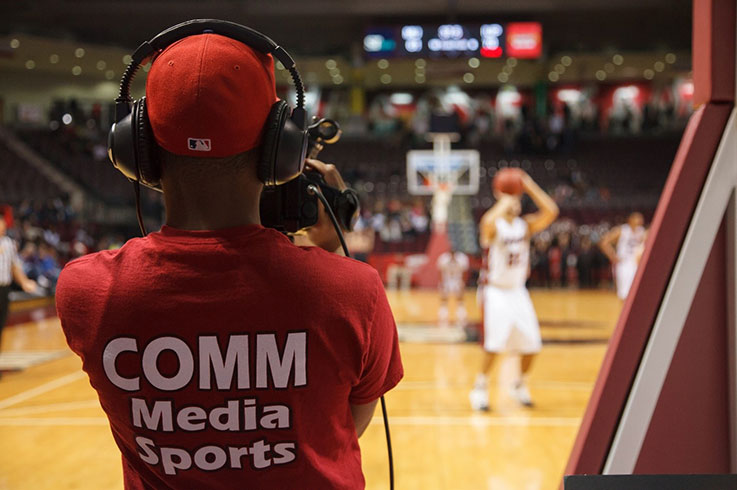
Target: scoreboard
x,y
514,39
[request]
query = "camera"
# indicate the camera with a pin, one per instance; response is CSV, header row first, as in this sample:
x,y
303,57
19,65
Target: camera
x,y
293,206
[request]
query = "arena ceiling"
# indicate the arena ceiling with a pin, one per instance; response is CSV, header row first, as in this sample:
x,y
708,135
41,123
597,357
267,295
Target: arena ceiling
x,y
333,27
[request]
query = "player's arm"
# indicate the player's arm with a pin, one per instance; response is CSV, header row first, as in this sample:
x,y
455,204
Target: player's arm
x,y
28,285
362,415
487,227
547,209
606,244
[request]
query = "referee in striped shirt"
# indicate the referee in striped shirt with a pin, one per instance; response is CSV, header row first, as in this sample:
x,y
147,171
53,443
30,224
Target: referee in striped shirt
x,y
10,268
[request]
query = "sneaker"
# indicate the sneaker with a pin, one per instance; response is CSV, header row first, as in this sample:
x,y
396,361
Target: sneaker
x,y
479,398
522,394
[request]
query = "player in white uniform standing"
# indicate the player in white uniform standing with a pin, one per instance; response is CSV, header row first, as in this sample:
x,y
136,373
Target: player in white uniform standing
x,y
510,323
630,240
452,265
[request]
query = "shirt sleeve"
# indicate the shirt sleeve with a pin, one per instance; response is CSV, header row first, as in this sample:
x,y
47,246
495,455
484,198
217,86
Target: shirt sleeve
x,y
382,363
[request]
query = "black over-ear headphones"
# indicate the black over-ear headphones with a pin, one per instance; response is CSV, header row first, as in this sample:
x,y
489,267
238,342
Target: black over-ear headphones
x,y
131,144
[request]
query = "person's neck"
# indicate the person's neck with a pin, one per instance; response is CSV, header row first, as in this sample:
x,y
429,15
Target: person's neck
x,y
212,205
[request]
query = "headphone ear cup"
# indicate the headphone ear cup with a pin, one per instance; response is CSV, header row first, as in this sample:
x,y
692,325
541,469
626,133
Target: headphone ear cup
x,y
148,167
121,149
270,142
290,157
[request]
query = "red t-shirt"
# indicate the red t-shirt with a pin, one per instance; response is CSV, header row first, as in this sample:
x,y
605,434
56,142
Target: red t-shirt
x,y
228,358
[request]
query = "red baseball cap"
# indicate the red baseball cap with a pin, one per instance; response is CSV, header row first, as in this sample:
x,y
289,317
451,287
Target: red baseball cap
x,y
209,96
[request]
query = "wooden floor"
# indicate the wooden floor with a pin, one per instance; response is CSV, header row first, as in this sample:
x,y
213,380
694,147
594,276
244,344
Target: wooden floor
x,y
53,434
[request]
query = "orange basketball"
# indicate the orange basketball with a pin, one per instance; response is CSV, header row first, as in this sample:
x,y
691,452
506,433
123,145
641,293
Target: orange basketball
x,y
508,181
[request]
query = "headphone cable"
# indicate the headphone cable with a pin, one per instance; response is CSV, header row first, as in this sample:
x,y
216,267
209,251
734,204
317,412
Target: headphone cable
x,y
316,191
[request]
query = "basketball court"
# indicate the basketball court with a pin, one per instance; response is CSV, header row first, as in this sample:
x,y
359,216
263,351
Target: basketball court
x,y
641,386
50,417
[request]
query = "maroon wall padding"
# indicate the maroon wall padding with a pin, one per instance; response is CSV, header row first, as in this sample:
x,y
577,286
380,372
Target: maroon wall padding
x,y
689,430
668,229
713,49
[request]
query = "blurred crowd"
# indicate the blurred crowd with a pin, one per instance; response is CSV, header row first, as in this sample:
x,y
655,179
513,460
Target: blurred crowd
x,y
48,234
513,119
568,255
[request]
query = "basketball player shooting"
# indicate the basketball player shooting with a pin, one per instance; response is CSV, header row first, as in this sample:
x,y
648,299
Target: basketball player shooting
x,y
510,323
630,242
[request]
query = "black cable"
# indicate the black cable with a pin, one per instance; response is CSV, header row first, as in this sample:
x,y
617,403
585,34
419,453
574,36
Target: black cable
x,y
388,442
137,191
316,190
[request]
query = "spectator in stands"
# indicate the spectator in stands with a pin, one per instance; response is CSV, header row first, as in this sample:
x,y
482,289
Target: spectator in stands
x,y
11,270
586,263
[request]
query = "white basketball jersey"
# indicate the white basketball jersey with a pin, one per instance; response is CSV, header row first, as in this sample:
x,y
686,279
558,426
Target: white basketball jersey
x,y
509,254
629,242
452,270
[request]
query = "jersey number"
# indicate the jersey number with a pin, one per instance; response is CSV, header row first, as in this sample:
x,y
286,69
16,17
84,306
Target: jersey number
x,y
513,259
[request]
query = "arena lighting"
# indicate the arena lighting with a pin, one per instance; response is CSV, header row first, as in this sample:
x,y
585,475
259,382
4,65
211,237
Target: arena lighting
x,y
686,89
79,52
509,96
66,119
54,59
14,43
30,64
628,93
454,96
401,98
569,95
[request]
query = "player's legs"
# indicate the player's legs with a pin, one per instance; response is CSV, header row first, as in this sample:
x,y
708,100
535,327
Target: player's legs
x,y
624,275
529,343
461,314
497,327
4,306
443,313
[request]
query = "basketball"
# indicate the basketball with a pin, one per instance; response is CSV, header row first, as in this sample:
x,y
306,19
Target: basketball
x,y
508,181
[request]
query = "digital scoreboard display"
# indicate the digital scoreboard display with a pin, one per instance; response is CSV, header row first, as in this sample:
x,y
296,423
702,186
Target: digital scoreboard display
x,y
515,39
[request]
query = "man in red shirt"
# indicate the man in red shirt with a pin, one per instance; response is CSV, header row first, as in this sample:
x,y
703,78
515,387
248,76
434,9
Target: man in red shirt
x,y
223,355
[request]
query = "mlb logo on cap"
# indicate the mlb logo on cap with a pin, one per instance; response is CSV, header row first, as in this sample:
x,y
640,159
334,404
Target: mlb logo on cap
x,y
199,144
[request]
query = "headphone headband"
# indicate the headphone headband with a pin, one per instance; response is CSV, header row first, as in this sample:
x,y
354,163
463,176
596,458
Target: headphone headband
x,y
245,35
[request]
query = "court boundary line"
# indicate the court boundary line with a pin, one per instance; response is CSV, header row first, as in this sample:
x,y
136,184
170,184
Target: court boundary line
x,y
41,389
52,407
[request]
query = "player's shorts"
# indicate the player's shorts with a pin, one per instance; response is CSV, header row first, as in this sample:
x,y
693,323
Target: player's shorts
x,y
624,274
451,288
510,323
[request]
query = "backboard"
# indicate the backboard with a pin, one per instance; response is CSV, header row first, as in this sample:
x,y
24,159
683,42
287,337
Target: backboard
x,y
458,169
